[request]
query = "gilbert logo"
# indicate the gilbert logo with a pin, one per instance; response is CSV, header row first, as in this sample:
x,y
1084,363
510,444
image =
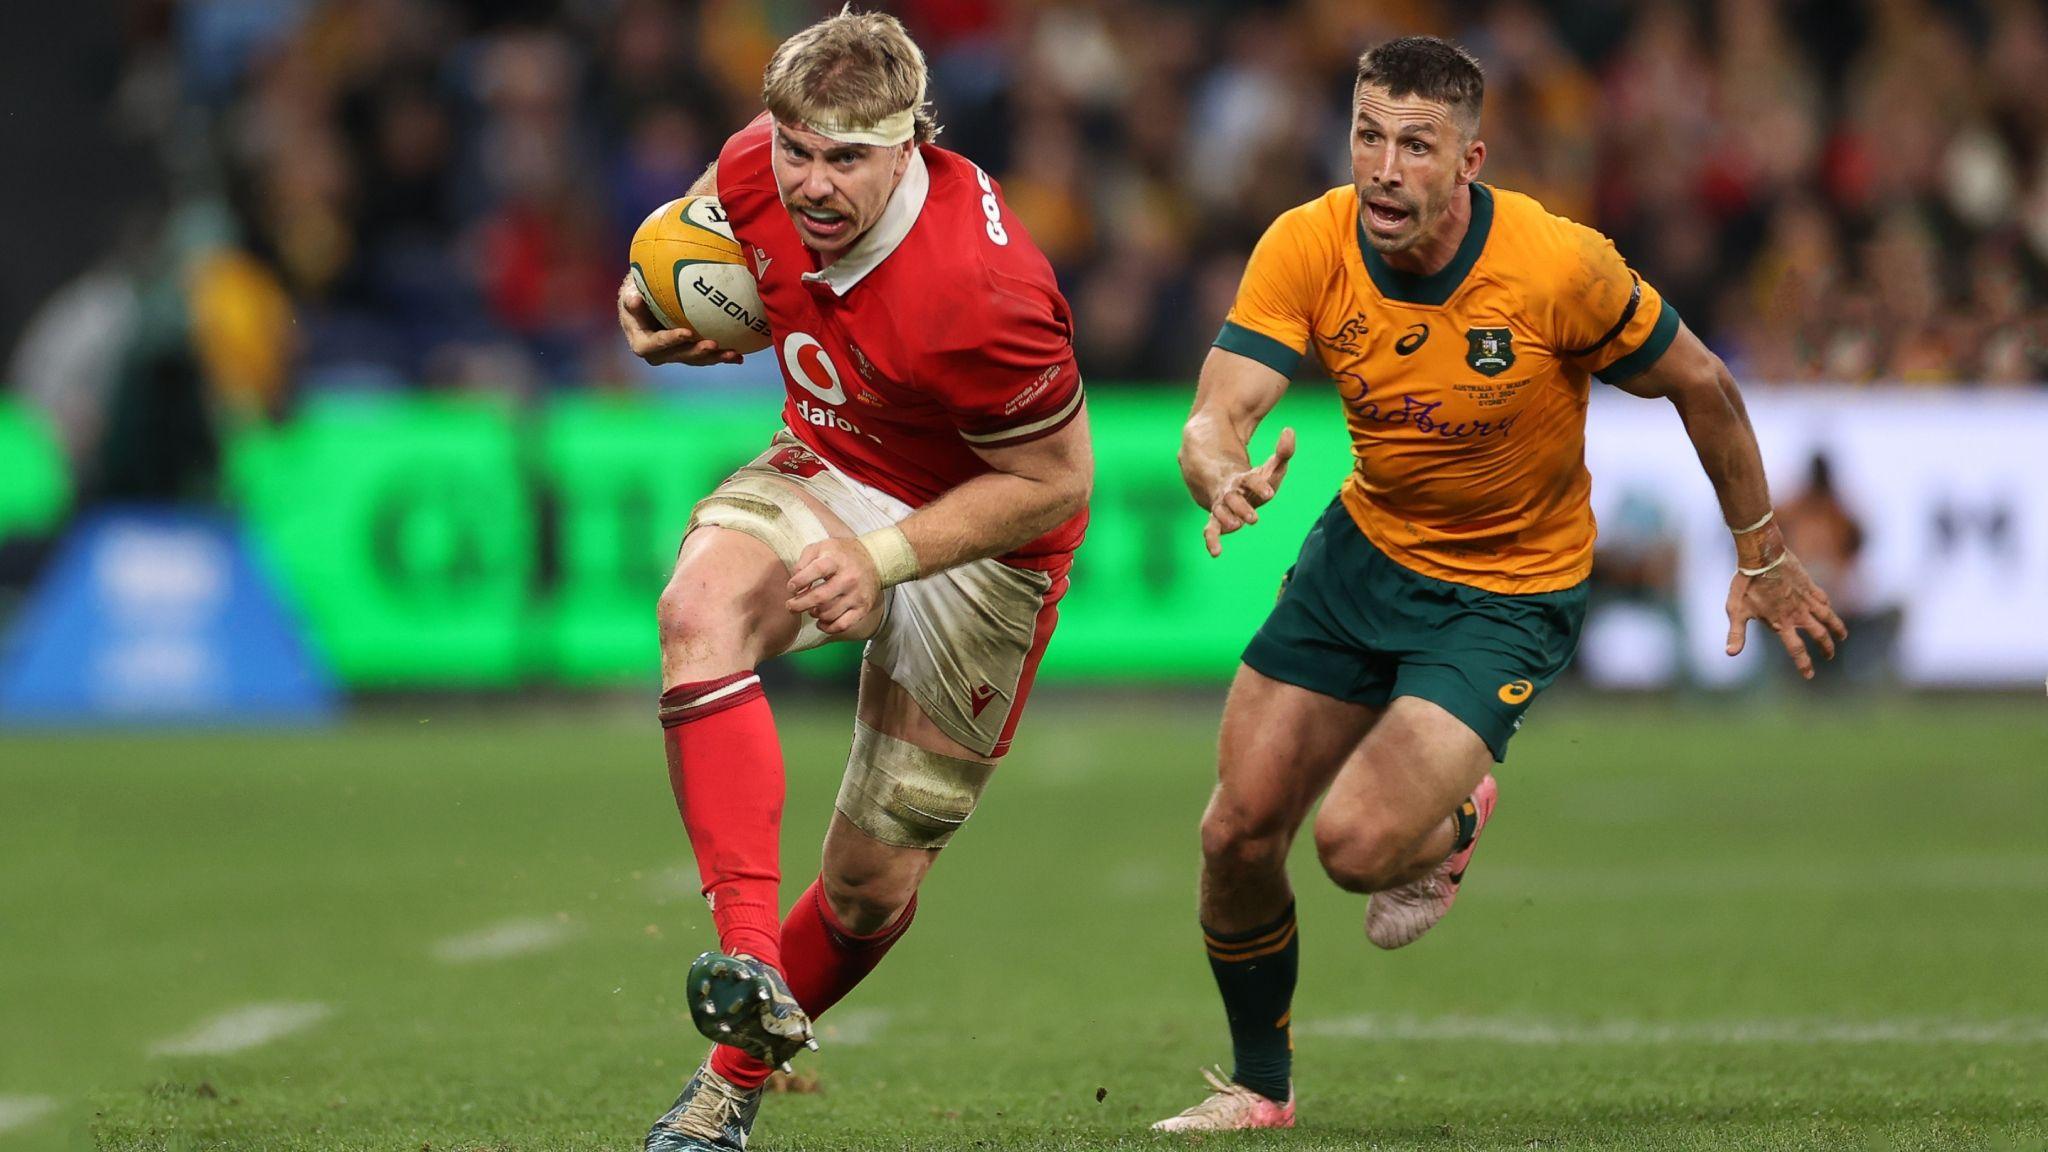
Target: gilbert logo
x,y
982,694
1515,691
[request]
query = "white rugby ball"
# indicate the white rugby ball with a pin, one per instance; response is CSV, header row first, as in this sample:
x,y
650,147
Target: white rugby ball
x,y
692,272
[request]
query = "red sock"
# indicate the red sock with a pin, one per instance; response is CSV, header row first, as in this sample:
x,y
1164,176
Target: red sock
x,y
725,766
823,963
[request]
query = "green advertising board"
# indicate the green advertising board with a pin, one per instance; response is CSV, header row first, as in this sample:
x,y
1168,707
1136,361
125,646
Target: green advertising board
x,y
34,486
1148,602
404,530
447,541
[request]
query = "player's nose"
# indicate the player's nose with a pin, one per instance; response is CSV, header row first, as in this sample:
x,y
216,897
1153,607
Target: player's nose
x,y
1388,171
817,185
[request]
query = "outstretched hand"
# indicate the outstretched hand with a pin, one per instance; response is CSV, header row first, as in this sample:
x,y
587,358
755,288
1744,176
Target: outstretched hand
x,y
1239,497
1790,604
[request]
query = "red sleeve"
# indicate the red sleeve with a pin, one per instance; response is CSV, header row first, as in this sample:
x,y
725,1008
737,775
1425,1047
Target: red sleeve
x,y
1014,379
746,183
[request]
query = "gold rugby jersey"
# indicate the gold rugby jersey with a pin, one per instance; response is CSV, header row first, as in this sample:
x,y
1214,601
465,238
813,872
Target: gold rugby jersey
x,y
1465,390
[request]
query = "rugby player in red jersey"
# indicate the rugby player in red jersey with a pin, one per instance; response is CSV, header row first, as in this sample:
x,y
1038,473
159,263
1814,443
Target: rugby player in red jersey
x,y
925,496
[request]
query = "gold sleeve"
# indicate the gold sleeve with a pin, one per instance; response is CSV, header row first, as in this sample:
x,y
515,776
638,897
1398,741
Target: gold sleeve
x,y
1607,317
1276,303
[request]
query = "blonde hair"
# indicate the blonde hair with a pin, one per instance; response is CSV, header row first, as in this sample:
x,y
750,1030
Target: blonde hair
x,y
855,68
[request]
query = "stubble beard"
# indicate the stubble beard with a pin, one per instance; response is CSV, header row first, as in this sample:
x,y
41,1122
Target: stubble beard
x,y
1412,232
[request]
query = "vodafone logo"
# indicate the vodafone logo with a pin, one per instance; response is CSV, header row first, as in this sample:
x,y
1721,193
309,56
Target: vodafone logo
x,y
805,360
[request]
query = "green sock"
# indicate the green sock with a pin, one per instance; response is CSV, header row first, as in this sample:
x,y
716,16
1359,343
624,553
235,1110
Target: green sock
x,y
1255,971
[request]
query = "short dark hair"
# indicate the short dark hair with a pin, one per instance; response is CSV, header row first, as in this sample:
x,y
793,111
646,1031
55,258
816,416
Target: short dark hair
x,y
1429,67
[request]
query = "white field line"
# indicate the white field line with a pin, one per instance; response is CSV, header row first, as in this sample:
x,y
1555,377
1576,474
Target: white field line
x,y
242,1028
21,1111
1558,1033
508,938
852,1028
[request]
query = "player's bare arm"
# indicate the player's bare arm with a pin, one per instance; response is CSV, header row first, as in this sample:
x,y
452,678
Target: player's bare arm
x,y
1233,394
1034,488
706,184
1770,584
679,345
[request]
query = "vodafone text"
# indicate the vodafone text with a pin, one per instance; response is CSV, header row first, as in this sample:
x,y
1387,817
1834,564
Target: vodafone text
x,y
826,418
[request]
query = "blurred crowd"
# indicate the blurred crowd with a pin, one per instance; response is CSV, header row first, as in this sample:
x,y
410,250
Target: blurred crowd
x,y
435,194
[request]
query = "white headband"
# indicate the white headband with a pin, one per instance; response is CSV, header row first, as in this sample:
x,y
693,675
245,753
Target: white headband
x,y
889,131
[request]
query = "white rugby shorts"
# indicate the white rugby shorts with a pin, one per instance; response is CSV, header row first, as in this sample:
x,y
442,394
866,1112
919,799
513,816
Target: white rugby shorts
x,y
965,643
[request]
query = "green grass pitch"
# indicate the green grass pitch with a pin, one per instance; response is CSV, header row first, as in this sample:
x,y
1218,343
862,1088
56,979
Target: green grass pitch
x,y
1732,924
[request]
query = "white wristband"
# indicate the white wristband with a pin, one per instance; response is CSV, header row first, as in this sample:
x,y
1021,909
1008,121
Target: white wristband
x,y
894,558
1755,526
1782,557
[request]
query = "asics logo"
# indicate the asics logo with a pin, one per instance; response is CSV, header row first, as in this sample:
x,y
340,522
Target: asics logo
x,y
1515,691
1418,335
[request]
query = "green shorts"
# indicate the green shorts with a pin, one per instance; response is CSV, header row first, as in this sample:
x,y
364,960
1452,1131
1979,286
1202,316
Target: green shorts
x,y
1355,625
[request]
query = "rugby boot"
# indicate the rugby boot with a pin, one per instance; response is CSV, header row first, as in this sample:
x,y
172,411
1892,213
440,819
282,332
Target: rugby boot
x,y
1230,1107
740,1001
712,1115
1400,915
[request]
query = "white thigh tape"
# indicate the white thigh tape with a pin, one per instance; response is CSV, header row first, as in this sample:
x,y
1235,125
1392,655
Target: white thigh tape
x,y
770,510
904,795
766,508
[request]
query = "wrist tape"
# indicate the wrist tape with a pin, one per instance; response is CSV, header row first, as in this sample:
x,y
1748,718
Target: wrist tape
x,y
894,558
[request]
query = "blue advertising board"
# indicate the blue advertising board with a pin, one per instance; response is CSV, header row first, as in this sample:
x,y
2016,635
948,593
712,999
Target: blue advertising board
x,y
156,616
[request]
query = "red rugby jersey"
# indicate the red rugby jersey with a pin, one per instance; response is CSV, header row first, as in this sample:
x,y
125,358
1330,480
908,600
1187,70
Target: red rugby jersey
x,y
940,330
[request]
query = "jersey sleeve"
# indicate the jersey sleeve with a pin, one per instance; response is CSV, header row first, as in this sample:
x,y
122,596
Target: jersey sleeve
x,y
1606,317
1017,381
1273,314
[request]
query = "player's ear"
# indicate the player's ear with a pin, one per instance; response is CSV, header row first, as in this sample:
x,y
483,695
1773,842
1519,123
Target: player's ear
x,y
1473,160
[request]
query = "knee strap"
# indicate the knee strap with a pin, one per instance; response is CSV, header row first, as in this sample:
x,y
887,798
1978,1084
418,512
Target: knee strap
x,y
766,508
770,510
905,795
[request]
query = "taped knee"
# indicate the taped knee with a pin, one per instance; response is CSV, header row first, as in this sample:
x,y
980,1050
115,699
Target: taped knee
x,y
905,795
771,511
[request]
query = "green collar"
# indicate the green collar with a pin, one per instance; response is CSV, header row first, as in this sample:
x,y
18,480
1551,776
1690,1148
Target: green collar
x,y
1435,288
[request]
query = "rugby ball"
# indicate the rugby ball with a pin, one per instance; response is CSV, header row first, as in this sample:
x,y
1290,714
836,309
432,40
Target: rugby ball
x,y
693,274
